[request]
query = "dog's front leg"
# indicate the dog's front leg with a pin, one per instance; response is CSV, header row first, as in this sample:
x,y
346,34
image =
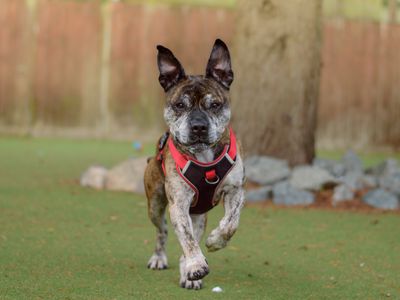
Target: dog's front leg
x,y
196,264
233,203
179,204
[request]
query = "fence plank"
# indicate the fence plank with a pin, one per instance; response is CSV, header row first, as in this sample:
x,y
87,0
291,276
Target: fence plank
x,y
15,62
66,83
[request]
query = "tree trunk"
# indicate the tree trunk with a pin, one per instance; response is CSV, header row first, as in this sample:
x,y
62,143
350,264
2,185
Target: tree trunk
x,y
276,60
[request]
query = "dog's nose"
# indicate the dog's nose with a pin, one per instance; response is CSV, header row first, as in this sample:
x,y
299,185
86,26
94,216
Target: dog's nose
x,y
199,126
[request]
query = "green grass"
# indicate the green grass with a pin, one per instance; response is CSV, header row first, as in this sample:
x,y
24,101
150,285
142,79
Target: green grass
x,y
61,241
368,158
370,10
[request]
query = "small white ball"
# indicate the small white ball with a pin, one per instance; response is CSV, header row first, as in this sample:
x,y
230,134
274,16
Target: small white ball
x,y
217,289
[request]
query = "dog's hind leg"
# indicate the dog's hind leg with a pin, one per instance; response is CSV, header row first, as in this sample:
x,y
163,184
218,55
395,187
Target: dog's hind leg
x,y
157,206
199,223
157,203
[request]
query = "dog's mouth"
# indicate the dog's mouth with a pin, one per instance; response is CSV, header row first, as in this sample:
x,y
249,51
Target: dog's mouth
x,y
198,147
197,140
192,140
196,144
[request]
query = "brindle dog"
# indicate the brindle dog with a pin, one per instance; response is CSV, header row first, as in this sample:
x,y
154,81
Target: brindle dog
x,y
197,112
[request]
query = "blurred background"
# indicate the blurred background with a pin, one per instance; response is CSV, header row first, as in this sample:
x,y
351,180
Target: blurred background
x,y
88,68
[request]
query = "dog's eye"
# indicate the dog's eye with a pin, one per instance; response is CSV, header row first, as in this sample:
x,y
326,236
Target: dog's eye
x,y
180,105
215,105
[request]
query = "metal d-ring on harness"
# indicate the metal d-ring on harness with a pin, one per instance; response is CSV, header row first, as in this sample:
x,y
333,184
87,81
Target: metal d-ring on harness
x,y
215,178
203,178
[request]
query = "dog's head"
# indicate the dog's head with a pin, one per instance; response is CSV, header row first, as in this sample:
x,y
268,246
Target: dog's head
x,y
197,111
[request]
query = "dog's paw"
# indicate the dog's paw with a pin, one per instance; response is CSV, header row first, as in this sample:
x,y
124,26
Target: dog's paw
x,y
191,284
158,261
215,241
196,268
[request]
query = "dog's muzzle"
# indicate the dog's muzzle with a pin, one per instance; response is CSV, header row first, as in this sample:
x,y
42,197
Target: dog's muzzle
x,y
198,126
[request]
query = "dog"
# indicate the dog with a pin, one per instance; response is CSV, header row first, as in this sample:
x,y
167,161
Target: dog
x,y
198,163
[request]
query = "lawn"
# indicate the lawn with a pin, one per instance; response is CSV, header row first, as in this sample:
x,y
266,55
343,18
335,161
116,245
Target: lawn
x,y
61,241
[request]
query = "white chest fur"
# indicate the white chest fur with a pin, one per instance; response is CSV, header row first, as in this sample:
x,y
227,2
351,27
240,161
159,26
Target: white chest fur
x,y
206,156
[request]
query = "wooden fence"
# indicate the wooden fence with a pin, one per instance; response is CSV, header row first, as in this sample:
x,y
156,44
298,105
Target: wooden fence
x,y
360,85
86,68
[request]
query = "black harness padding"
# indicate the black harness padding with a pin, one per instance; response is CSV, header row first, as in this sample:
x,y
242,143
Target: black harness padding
x,y
205,189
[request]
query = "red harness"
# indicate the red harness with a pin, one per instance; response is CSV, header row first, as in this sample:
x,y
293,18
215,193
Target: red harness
x,y
203,178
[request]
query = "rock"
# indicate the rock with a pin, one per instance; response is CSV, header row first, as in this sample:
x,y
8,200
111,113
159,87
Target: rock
x,y
369,181
285,194
341,193
387,167
335,168
380,198
311,178
389,175
94,177
266,170
354,175
127,176
391,183
259,194
354,180
352,163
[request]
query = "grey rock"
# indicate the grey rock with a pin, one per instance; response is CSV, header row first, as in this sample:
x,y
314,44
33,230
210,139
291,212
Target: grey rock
x,y
391,183
311,178
354,180
358,181
334,167
387,167
94,177
352,163
369,181
260,194
127,176
285,194
266,170
354,175
341,193
380,198
389,175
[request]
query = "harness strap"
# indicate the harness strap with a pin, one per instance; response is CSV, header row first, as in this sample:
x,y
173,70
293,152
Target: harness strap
x,y
203,178
232,145
181,160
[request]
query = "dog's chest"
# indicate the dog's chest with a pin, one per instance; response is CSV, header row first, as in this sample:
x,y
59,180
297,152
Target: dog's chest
x,y
206,156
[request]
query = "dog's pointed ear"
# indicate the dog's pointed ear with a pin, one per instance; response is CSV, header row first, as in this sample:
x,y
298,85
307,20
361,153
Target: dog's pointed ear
x,y
171,71
219,64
